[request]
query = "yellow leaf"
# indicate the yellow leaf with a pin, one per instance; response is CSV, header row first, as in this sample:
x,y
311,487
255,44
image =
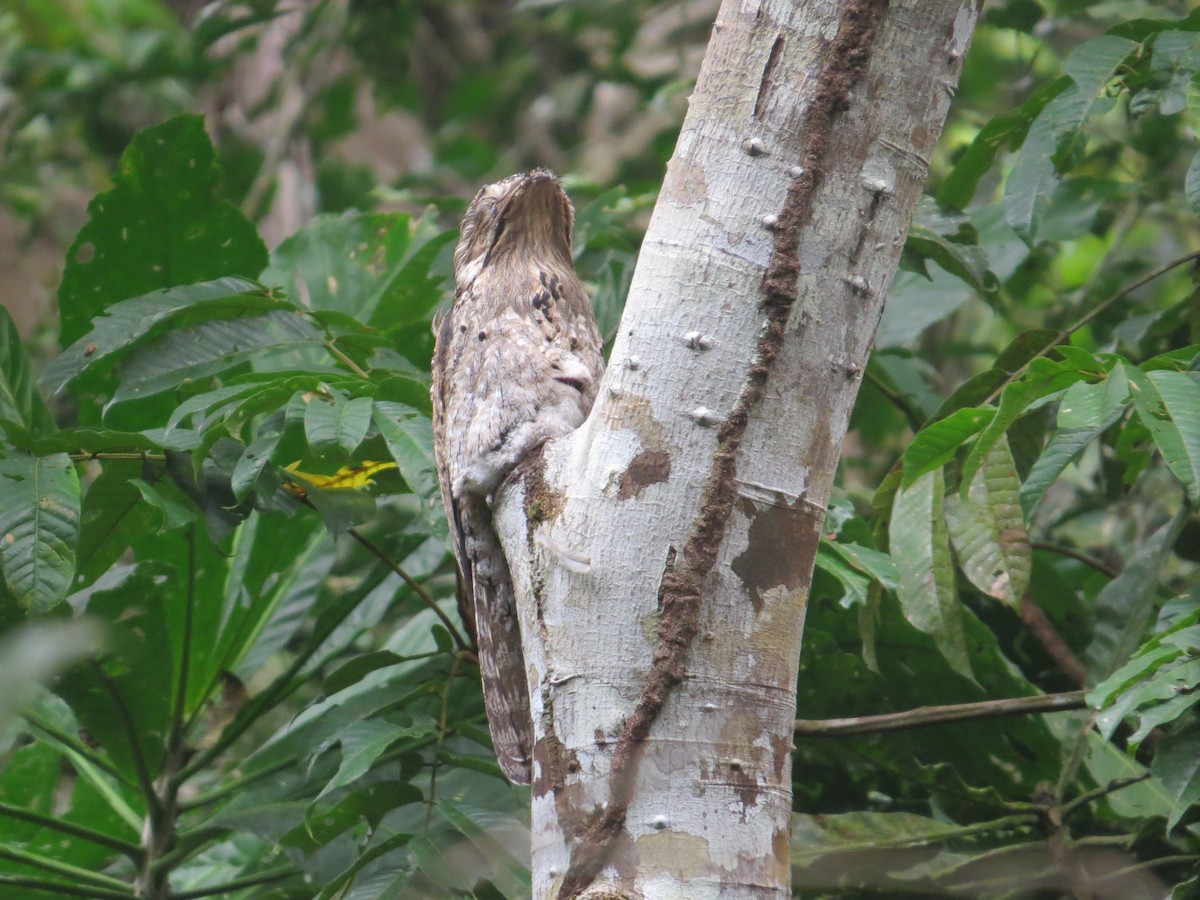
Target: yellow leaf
x,y
345,478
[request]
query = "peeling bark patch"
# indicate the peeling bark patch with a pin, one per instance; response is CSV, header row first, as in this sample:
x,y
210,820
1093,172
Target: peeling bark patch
x,y
647,468
845,63
773,556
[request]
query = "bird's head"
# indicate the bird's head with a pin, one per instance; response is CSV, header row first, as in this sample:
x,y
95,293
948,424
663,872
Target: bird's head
x,y
521,216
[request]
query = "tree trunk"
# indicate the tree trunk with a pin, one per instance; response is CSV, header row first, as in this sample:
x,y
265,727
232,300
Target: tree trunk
x,y
663,552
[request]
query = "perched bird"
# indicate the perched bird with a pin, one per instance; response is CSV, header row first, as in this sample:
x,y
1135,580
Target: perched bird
x,y
517,363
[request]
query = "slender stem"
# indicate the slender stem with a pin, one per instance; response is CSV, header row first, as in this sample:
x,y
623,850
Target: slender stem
x,y
417,588
127,848
145,779
86,456
937,715
57,887
1022,820
237,884
1089,315
1115,785
79,747
83,876
441,739
341,357
898,400
234,786
283,685
1099,565
1047,635
179,712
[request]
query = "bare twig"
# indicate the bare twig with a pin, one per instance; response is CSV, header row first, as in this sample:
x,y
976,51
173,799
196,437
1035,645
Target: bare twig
x,y
924,716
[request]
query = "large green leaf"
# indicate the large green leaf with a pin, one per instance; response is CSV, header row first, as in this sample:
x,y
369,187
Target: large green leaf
x,y
409,438
1124,607
920,548
1043,378
124,703
199,350
39,527
1177,765
160,226
374,267
1085,412
129,323
1058,131
1169,405
988,529
959,186
334,422
936,444
19,399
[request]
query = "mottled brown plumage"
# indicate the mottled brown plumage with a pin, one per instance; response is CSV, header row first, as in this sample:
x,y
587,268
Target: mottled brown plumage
x,y
517,363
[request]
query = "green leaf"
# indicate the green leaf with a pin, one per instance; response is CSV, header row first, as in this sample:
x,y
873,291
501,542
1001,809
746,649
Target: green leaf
x,y
959,187
125,702
1058,131
480,827
988,529
1085,412
1123,609
1168,404
950,240
337,422
372,267
363,742
1043,378
1177,765
855,584
126,324
197,351
39,528
921,550
324,822
936,444
113,515
409,438
19,399
160,226
250,465
873,563
1191,184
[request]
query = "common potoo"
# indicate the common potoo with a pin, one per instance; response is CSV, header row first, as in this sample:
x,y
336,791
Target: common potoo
x,y
517,363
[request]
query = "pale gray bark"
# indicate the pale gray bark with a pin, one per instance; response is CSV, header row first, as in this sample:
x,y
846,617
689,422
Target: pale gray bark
x,y
760,176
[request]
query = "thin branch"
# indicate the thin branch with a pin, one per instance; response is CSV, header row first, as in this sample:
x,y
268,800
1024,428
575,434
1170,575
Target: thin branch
x,y
145,779
76,746
283,685
936,715
237,884
1047,635
83,876
341,357
911,414
1113,786
57,887
126,848
1088,316
178,713
1099,565
1021,820
101,455
234,786
418,589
